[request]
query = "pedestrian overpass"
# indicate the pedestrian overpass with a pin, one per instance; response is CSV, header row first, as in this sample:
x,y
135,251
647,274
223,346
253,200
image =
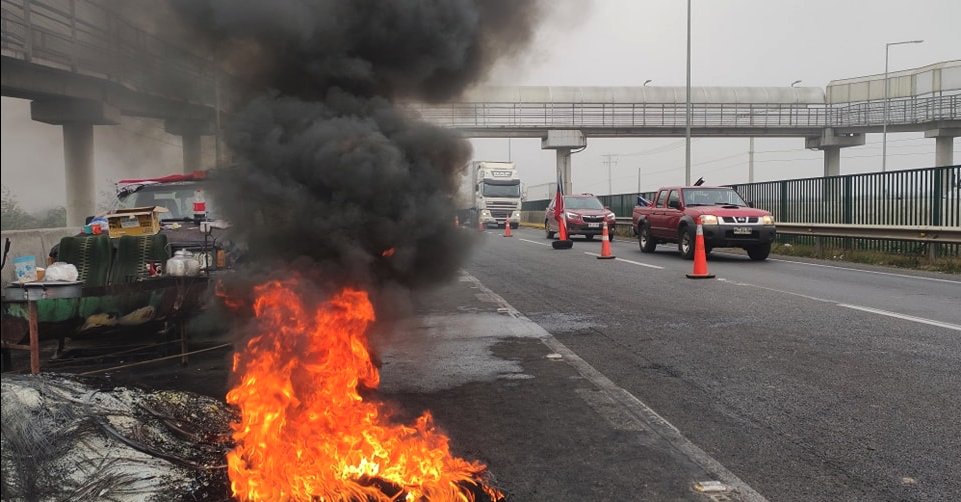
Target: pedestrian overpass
x,y
924,99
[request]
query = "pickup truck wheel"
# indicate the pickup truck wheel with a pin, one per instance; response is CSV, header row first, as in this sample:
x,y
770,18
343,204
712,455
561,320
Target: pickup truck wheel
x,y
759,252
685,243
645,241
550,233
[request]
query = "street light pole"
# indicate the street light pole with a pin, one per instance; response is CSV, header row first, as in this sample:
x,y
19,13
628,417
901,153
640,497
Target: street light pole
x,y
687,121
884,127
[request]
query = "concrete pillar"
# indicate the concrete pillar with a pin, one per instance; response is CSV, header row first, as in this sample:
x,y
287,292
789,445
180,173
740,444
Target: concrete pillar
x,y
564,169
190,132
832,144
943,151
192,153
78,163
832,161
943,144
77,117
564,141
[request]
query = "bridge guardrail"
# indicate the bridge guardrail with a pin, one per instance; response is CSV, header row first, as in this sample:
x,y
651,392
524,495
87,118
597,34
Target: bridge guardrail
x,y
915,233
779,118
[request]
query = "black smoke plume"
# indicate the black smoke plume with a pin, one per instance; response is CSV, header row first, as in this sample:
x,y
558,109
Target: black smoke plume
x,y
326,167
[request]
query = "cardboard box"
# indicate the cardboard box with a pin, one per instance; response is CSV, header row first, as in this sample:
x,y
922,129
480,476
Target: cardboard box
x,y
135,221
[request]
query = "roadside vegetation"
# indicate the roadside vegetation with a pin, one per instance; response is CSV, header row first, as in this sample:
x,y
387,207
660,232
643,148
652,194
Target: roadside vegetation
x,y
917,260
15,217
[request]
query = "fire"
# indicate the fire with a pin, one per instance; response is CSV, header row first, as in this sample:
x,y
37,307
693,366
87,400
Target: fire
x,y
388,252
307,433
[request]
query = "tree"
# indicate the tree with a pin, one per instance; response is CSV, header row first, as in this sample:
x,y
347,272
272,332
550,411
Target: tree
x,y
13,216
16,218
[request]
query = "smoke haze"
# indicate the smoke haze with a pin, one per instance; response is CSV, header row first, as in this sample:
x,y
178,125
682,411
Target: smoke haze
x,y
325,164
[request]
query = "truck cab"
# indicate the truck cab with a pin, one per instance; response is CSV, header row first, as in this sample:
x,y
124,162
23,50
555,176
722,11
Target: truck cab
x,y
495,198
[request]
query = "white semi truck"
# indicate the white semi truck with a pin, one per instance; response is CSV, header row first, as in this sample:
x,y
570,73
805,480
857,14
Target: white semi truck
x,y
490,195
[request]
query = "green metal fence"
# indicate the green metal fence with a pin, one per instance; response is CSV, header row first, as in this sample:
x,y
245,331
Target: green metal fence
x,y
929,196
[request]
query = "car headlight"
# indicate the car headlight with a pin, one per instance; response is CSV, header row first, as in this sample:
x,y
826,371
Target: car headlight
x,y
515,215
611,216
767,220
708,219
485,212
572,216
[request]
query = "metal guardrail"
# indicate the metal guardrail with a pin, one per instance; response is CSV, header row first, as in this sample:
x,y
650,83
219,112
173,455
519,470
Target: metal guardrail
x,y
771,119
944,235
917,233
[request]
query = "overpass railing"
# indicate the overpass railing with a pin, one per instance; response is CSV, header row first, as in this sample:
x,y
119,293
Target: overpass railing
x,y
788,116
91,38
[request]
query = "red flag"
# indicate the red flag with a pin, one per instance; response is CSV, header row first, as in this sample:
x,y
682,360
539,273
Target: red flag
x,y
559,202
559,212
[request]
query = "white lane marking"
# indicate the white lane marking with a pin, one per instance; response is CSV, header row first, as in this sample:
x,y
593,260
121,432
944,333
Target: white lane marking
x,y
736,283
922,320
912,318
534,242
627,261
643,415
892,274
639,263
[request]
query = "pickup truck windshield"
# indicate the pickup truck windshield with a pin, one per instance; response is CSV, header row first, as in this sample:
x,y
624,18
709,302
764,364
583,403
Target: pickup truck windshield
x,y
178,198
502,190
712,197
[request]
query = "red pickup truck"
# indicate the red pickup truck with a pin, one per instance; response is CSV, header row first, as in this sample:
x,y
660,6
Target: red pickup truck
x,y
726,219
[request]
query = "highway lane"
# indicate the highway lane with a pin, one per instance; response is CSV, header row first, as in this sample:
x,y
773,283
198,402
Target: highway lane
x,y
802,398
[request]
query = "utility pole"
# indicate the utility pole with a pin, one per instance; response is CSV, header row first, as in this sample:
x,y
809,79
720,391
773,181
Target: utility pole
x,y
884,127
750,161
687,122
638,180
610,161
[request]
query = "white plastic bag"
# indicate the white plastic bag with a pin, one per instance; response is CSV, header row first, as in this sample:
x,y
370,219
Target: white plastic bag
x,y
60,271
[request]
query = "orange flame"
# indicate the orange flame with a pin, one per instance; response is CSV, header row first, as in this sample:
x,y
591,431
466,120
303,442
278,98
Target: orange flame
x,y
306,433
388,252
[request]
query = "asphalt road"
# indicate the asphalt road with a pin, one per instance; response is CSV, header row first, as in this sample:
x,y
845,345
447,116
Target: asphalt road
x,y
808,380
577,379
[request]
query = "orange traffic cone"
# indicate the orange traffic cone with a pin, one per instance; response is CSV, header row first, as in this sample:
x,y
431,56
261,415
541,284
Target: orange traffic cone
x,y
605,244
480,225
507,228
700,257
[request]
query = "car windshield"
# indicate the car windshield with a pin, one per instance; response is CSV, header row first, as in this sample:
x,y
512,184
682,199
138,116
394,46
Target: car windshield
x,y
502,190
178,198
712,197
582,203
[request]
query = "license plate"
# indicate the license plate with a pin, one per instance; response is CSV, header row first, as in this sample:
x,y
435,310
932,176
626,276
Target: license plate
x,y
593,225
742,230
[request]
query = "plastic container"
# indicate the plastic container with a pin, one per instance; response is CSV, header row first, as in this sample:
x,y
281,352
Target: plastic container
x,y
177,265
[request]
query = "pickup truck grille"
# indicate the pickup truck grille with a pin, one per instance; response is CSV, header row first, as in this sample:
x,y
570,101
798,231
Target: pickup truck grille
x,y
738,220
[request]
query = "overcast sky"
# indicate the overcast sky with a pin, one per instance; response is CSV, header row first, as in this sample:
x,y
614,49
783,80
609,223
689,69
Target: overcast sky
x,y
734,43
622,42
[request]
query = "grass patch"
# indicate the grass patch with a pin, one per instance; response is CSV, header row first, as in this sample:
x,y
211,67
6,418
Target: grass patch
x,y
946,264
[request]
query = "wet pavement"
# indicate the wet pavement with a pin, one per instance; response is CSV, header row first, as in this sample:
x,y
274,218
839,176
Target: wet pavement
x,y
547,424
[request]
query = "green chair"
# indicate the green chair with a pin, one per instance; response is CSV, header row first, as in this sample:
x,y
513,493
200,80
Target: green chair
x,y
133,254
91,255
